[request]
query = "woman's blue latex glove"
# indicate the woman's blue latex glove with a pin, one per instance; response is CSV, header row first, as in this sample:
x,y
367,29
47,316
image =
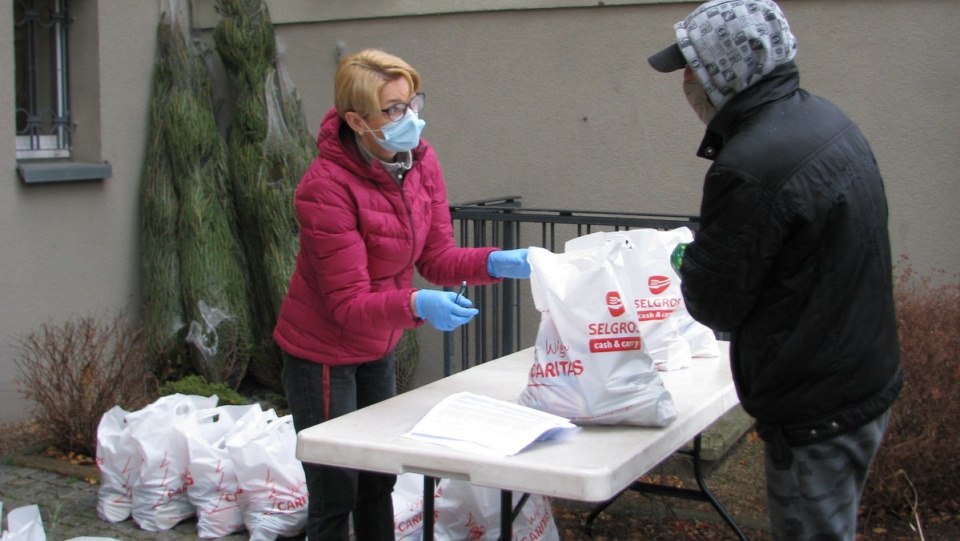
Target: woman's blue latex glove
x,y
508,264
443,310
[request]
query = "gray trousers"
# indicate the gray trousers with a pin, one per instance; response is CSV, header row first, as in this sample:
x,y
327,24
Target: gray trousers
x,y
817,497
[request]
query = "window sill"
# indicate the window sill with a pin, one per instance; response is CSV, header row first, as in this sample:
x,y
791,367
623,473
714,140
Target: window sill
x,y
62,171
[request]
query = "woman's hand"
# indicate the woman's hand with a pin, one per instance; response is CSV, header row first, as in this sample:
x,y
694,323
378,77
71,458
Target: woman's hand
x,y
508,264
445,310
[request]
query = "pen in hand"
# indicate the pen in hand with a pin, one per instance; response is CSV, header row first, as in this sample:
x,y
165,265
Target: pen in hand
x,y
463,289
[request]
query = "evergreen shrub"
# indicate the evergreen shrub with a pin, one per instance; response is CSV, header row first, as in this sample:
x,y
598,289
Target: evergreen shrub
x,y
198,385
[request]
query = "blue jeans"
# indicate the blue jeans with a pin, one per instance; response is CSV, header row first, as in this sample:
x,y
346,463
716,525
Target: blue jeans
x,y
335,493
817,497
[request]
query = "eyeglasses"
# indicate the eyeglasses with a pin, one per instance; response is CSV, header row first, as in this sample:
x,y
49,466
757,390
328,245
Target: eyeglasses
x,y
397,110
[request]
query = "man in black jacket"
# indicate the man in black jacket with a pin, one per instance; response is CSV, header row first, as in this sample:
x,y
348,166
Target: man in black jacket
x,y
793,259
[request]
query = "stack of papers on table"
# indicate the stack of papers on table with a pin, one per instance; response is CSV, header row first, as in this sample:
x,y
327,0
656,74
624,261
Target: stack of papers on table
x,y
486,425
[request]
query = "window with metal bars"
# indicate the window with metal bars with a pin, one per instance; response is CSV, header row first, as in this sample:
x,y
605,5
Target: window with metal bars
x,y
43,107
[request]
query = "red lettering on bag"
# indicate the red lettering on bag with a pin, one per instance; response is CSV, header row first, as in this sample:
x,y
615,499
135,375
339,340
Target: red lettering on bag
x,y
654,315
552,369
410,523
557,349
296,503
601,345
616,327
476,530
539,530
171,494
667,302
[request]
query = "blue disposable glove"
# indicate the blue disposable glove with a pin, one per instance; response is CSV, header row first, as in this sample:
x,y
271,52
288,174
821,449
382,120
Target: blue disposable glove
x,y
443,309
508,264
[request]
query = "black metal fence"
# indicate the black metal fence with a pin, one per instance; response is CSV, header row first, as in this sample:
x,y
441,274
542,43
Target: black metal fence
x,y
501,329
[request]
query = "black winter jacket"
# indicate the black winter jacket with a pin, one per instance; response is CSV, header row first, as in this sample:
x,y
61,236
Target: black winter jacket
x,y
793,258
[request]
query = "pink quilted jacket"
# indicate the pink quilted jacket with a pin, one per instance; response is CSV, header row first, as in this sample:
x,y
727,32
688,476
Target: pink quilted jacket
x,y
361,235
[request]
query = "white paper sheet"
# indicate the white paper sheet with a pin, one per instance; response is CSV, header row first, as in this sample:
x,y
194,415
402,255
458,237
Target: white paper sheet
x,y
480,424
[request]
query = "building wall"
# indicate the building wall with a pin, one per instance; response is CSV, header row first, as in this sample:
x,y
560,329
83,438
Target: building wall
x,y
71,249
548,99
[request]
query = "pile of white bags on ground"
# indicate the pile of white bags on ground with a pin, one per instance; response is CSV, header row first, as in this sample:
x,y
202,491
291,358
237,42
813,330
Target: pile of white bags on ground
x,y
232,467
235,468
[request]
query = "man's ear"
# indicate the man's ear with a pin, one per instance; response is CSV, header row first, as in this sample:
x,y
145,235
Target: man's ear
x,y
354,121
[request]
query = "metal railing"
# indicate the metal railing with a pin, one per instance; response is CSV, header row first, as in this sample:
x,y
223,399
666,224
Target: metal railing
x,y
499,329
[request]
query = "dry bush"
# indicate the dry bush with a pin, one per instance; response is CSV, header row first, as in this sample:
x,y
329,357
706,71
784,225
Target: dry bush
x,y
77,371
918,465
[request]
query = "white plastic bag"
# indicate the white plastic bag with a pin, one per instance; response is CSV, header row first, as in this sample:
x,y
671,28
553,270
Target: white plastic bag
x,y
589,363
659,301
119,466
408,506
466,511
160,498
214,491
702,339
273,486
24,524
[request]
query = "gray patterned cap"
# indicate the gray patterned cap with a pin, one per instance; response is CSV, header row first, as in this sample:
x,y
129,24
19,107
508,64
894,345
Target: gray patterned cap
x,y
729,45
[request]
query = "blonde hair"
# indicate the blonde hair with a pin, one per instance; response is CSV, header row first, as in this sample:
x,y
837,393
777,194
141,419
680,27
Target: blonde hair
x,y
361,76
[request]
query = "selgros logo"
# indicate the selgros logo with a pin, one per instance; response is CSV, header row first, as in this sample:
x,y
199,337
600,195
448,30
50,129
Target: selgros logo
x,y
658,284
615,304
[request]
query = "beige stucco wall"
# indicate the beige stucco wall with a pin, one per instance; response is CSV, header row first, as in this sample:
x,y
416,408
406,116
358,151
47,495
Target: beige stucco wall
x,y
69,250
556,105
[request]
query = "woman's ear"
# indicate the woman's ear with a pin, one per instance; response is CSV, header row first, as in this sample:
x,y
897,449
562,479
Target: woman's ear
x,y
354,121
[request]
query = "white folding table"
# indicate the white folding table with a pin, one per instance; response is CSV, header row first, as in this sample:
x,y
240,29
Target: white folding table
x,y
596,465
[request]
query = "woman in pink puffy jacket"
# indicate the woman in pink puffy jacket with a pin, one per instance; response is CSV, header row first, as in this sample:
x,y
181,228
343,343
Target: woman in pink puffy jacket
x,y
372,208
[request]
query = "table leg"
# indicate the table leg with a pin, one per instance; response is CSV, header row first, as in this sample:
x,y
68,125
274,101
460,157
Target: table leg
x,y
507,509
703,494
588,524
707,495
429,488
506,515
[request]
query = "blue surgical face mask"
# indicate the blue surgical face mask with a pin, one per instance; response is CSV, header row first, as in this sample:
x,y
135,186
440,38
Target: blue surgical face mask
x,y
401,135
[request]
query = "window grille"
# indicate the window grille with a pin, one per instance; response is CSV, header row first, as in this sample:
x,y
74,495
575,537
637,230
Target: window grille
x,y
43,111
